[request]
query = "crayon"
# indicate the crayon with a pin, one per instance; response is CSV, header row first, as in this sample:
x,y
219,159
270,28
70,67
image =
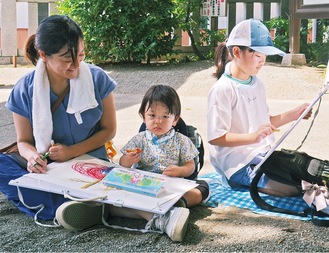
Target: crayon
x,y
44,157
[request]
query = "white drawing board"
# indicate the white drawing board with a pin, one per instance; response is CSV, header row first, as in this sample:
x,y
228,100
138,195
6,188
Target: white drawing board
x,y
61,178
284,136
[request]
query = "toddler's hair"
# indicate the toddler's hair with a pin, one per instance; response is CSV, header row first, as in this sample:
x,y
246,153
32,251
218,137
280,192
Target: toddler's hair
x,y
164,94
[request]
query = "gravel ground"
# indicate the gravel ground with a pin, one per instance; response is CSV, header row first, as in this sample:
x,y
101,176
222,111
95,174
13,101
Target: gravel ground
x,y
210,229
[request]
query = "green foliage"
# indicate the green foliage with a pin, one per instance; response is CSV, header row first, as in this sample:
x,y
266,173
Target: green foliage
x,y
135,31
315,53
280,27
187,13
217,36
123,31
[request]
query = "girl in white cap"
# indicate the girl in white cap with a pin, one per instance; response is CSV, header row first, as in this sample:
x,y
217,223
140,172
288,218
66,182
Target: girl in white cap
x,y
240,129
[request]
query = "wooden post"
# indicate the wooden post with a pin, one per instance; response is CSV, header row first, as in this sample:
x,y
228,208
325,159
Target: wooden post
x,y
250,10
231,15
15,61
214,28
285,9
294,39
294,57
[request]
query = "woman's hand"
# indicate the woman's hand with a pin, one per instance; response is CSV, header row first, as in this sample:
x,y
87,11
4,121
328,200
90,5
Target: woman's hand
x,y
26,145
60,153
37,163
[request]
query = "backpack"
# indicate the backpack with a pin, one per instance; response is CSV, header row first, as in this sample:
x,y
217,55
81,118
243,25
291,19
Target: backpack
x,y
291,167
191,132
195,137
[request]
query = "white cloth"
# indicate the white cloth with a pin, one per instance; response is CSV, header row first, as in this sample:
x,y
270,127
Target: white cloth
x,y
82,98
41,113
82,93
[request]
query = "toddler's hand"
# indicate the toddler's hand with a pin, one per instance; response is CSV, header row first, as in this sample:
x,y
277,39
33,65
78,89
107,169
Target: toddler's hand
x,y
133,157
136,150
172,171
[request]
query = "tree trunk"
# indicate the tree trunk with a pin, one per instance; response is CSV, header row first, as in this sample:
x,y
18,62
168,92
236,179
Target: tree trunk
x,y
195,48
190,34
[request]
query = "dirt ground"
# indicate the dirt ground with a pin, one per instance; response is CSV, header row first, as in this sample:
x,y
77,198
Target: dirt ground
x,y
210,229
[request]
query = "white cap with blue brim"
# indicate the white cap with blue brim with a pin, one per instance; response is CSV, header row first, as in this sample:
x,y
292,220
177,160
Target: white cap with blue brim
x,y
253,34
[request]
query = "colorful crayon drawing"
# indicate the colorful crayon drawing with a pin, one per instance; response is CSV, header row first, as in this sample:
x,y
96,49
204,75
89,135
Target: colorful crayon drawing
x,y
93,170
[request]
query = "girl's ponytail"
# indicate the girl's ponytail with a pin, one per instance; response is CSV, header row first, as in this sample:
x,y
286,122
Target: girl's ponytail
x,y
222,57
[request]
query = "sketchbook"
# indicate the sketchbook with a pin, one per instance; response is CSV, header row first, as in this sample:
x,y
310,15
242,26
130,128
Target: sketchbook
x,y
82,177
136,181
284,136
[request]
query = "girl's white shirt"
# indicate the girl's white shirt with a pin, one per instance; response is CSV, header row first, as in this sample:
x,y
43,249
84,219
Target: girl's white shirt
x,y
234,106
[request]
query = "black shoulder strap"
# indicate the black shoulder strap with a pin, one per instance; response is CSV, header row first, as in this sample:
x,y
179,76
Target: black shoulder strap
x,y
261,203
319,222
60,99
265,206
201,155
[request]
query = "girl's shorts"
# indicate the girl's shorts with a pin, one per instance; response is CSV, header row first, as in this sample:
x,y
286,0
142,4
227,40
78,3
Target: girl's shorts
x,y
245,175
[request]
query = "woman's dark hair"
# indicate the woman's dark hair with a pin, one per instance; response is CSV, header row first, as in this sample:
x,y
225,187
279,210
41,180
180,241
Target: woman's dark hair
x,y
54,33
223,55
164,94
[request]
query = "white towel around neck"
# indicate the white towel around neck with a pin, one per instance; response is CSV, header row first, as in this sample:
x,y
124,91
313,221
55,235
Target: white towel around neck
x,y
81,98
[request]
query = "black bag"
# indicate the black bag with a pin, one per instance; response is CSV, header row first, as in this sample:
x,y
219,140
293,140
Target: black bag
x,y
12,150
291,167
195,137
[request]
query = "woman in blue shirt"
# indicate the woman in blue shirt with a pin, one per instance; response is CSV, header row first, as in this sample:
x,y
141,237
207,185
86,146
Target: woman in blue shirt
x,y
82,123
